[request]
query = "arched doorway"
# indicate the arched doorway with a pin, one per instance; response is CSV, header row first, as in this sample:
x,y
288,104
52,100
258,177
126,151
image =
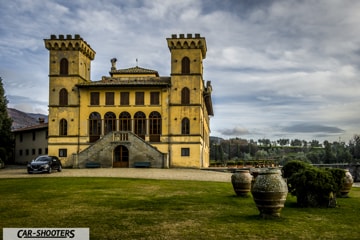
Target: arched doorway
x,y
121,157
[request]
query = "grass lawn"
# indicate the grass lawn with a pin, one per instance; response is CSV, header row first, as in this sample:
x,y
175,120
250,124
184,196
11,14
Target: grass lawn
x,y
115,208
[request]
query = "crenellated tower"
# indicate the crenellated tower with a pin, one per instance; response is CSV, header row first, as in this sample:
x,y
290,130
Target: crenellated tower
x,y
187,54
187,105
69,64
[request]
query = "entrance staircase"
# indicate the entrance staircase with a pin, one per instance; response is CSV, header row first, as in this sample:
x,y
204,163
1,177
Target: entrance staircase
x,y
101,152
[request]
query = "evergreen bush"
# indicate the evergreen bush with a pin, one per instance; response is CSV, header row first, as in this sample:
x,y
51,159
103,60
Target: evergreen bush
x,y
312,186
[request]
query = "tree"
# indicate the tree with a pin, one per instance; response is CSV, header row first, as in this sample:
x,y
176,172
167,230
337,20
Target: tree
x,y
6,143
316,156
261,154
315,143
283,142
265,142
341,152
354,146
296,143
329,155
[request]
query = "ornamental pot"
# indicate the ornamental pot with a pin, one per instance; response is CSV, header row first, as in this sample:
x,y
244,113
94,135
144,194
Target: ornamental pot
x,y
241,182
348,182
255,172
269,192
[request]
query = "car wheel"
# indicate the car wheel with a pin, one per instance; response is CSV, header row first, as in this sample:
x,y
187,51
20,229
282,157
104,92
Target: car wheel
x,y
60,169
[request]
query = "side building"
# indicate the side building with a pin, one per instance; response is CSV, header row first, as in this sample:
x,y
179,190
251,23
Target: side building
x,y
132,117
30,142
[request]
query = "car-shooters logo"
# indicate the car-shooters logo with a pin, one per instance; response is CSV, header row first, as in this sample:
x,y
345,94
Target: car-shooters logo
x,y
46,233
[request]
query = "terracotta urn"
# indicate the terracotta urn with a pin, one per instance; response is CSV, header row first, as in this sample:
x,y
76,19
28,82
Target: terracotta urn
x,y
269,191
241,181
348,182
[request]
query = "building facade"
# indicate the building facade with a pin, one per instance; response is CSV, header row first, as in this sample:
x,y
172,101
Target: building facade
x,y
133,115
30,142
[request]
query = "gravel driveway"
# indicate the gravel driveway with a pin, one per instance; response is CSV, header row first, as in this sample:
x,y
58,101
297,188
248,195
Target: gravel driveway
x,y
147,173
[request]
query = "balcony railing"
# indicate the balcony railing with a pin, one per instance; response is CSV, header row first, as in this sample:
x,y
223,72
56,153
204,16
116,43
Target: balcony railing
x,y
120,136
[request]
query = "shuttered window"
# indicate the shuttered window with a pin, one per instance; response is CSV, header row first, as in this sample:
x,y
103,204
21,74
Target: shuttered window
x,y
139,98
124,98
94,98
109,98
154,98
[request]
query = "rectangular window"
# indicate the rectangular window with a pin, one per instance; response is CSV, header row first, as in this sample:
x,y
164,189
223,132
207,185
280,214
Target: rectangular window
x,y
139,98
124,98
154,98
94,98
63,152
20,152
21,137
27,152
46,150
33,136
109,98
185,151
33,151
40,151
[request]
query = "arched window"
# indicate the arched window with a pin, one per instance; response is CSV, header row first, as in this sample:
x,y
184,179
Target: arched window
x,y
125,121
185,65
185,96
64,67
94,126
63,127
140,124
63,97
185,126
110,122
155,126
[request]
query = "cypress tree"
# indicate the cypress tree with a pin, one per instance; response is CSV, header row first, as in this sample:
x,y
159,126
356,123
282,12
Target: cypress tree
x,y
6,143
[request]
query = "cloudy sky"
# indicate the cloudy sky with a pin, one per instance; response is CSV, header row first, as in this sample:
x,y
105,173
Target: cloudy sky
x,y
279,68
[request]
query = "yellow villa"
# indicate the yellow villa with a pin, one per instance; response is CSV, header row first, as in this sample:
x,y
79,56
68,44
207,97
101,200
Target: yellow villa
x,y
133,117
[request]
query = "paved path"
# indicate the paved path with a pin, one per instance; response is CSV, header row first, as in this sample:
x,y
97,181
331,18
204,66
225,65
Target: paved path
x,y
147,173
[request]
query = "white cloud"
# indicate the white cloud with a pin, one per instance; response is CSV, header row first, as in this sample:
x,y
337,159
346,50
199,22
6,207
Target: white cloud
x,y
272,63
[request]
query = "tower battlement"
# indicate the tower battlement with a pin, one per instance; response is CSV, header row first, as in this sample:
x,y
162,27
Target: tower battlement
x,y
189,35
187,42
69,43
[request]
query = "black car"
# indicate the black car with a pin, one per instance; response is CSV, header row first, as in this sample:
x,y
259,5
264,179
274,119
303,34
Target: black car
x,y
44,164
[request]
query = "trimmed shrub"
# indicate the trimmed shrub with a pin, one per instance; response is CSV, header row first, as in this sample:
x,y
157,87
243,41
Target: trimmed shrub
x,y
312,186
294,166
339,177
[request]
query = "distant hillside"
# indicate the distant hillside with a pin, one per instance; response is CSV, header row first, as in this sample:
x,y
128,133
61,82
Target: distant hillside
x,y
216,139
22,119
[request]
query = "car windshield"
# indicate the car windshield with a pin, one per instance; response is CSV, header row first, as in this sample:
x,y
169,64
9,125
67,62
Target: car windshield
x,y
42,159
